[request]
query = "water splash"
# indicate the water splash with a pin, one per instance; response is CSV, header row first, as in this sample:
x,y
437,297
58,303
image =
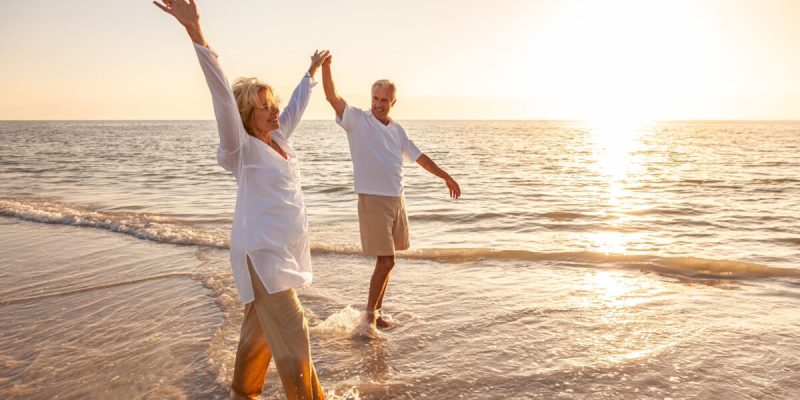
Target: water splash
x,y
347,323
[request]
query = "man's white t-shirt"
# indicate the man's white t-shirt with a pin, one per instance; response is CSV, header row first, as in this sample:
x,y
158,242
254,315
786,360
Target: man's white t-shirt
x,y
378,152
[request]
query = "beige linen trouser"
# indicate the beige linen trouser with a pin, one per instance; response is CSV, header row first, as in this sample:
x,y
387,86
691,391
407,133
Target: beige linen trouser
x,y
275,326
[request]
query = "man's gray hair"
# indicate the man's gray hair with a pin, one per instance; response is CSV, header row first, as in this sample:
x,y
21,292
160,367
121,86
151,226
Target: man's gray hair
x,y
385,84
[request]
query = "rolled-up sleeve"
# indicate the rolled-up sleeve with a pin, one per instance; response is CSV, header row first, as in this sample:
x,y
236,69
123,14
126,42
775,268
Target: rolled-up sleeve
x,y
349,119
229,124
410,150
291,115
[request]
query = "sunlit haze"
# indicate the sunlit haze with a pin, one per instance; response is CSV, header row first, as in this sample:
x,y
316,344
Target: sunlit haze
x,y
585,60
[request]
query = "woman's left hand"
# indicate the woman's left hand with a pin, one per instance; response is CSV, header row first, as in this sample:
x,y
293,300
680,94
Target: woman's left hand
x,y
185,12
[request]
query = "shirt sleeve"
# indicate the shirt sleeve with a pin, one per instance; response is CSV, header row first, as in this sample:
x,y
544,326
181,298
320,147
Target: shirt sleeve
x,y
232,135
349,119
291,115
410,150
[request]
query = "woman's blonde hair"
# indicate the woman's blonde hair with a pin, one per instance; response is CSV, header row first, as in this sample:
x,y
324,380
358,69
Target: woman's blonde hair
x,y
245,90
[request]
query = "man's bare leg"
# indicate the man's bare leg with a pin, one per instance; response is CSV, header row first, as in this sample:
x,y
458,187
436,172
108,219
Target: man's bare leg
x,y
377,286
381,322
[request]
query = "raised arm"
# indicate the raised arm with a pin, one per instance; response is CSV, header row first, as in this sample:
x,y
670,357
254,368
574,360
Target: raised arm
x,y
186,13
430,166
231,131
337,102
290,117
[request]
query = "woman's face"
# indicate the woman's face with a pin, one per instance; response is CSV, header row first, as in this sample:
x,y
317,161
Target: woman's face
x,y
265,117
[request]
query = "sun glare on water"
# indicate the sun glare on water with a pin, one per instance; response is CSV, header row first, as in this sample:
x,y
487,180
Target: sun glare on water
x,y
614,144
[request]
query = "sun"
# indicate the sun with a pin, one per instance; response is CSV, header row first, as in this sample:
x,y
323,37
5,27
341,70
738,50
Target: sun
x,y
623,60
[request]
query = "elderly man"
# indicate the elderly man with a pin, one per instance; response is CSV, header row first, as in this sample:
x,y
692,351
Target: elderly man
x,y
378,147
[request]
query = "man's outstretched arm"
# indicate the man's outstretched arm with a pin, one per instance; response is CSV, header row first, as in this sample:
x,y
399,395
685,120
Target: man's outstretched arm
x,y
430,166
337,102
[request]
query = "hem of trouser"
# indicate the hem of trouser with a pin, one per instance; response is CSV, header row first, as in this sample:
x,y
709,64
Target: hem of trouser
x,y
381,253
241,395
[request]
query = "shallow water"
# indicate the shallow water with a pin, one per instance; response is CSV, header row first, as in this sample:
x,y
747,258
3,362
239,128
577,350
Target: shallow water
x,y
650,262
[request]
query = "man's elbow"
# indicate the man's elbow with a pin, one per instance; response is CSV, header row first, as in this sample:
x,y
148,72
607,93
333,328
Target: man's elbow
x,y
332,98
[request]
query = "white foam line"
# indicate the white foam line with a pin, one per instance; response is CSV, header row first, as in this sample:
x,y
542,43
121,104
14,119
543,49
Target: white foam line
x,y
164,229
154,228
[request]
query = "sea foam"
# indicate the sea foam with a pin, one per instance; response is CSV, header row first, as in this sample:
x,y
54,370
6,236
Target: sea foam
x,y
166,229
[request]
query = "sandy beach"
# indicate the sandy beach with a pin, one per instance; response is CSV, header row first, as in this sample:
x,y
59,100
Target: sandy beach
x,y
107,315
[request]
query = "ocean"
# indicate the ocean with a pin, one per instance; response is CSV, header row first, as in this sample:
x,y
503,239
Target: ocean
x,y
583,261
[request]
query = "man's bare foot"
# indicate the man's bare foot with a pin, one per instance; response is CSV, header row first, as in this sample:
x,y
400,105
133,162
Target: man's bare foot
x,y
382,323
369,331
367,328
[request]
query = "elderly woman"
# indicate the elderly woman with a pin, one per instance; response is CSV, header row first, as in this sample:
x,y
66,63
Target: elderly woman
x,y
270,254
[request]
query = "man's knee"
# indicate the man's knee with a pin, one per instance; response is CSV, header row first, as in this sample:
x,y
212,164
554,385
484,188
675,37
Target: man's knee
x,y
386,262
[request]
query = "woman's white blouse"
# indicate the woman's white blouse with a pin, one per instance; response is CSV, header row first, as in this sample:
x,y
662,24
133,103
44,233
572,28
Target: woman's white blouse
x,y
269,223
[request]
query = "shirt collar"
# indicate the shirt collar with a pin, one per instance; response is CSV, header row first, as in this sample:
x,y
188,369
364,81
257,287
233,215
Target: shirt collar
x,y
391,121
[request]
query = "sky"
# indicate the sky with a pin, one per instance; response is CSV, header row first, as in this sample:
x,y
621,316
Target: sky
x,y
633,60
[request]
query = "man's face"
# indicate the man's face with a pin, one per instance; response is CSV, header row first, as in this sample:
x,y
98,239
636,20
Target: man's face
x,y
382,101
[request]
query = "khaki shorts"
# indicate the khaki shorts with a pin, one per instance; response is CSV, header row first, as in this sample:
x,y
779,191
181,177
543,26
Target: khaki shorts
x,y
383,223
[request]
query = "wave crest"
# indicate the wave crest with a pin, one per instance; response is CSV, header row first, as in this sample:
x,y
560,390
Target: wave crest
x,y
170,230
153,227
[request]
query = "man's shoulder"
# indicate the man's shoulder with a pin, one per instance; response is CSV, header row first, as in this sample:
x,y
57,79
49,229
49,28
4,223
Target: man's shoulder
x,y
355,110
399,128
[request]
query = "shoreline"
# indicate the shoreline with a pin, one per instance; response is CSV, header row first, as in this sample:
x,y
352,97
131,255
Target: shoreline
x,y
536,328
